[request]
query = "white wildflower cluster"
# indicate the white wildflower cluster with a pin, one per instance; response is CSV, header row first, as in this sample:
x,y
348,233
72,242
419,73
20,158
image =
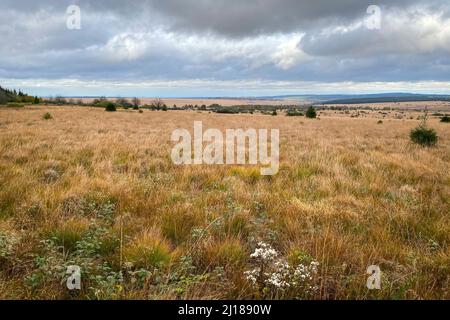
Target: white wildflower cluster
x,y
274,271
252,275
264,252
304,275
279,277
306,272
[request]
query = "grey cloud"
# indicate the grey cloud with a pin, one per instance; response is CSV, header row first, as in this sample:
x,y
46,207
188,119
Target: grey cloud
x,y
225,17
223,40
246,18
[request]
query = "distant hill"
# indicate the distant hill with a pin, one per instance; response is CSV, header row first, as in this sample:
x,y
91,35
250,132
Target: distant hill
x,y
363,98
389,99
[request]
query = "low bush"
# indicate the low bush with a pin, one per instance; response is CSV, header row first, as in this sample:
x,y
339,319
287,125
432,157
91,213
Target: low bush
x,y
109,106
47,116
424,136
226,111
445,119
311,113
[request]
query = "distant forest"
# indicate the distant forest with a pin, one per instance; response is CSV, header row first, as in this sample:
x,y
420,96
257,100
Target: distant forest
x,y
7,96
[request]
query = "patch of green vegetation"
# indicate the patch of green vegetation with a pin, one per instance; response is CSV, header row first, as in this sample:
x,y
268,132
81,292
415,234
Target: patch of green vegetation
x,y
47,116
311,113
294,113
109,106
15,105
424,136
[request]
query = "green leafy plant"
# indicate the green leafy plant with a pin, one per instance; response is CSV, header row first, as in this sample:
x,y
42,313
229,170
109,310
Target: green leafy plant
x,y
108,105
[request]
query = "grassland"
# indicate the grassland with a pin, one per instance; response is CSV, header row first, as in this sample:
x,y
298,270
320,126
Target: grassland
x,y
99,190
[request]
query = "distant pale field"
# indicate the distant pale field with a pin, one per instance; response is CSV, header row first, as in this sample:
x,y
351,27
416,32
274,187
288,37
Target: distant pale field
x,y
99,190
179,102
419,105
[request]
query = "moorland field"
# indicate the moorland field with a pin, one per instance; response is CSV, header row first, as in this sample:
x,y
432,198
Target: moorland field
x,y
98,190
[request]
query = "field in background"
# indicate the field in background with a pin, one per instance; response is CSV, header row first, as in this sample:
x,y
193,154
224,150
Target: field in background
x,y
179,102
99,190
412,105
443,106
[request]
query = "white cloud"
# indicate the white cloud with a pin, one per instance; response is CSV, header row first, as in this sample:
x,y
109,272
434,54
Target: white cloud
x,y
288,54
125,46
281,50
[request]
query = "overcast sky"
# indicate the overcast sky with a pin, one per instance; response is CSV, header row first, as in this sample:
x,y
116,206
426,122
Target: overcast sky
x,y
225,47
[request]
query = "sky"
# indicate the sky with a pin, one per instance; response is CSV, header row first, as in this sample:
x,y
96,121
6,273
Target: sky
x,y
218,48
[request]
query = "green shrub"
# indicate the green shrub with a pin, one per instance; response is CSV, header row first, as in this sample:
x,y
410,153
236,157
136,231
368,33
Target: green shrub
x,y
228,110
311,113
109,106
294,113
424,136
47,116
124,103
15,105
274,113
445,119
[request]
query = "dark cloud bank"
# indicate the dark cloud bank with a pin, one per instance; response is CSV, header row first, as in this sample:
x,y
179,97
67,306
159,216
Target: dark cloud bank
x,y
132,44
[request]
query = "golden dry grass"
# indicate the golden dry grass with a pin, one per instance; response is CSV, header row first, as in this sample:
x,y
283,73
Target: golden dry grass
x,y
102,188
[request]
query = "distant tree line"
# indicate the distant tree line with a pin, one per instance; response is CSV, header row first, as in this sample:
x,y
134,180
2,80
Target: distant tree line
x,y
14,96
